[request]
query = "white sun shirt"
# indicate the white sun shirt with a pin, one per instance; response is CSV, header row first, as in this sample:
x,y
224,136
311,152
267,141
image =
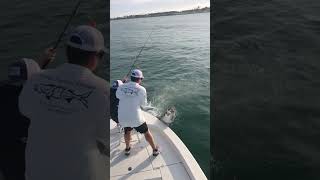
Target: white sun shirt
x,y
68,111
132,97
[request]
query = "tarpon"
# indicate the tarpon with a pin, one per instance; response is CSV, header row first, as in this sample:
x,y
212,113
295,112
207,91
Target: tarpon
x,y
169,116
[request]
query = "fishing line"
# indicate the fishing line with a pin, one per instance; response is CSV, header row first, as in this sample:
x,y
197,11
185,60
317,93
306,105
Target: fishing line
x,y
65,28
136,57
167,117
67,25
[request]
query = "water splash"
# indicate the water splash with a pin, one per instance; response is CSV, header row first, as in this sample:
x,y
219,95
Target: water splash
x,y
167,116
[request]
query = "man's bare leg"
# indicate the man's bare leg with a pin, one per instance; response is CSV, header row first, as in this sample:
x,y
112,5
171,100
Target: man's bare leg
x,y
150,139
127,138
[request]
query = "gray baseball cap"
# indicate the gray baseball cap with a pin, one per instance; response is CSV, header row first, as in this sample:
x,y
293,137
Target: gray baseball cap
x,y
86,38
23,69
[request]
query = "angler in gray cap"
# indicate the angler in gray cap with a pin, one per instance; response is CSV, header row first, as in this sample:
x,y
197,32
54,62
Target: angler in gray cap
x,y
13,125
68,108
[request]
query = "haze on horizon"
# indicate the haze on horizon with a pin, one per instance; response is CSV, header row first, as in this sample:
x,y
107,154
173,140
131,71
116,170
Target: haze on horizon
x,y
119,8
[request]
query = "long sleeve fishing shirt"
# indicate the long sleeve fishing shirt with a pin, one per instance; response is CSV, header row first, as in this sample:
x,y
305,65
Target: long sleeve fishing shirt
x,y
132,97
68,108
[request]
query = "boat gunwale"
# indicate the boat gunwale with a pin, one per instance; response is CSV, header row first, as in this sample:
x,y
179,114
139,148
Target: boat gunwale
x,y
191,165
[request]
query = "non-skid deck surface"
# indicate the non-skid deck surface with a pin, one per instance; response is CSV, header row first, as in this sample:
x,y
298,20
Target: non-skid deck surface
x,y
140,164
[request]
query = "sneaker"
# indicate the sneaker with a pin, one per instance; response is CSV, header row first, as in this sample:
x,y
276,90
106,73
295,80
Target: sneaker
x,y
119,128
156,152
127,151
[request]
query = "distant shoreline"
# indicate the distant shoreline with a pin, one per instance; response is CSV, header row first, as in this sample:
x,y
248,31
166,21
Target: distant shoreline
x,y
167,13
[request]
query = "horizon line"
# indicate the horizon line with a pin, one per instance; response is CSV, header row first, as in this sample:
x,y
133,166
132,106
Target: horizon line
x,y
160,12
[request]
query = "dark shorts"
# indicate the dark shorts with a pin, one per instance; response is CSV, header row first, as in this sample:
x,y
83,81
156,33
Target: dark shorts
x,y
143,128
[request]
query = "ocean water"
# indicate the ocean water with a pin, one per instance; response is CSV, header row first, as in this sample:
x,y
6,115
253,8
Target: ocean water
x,y
176,66
28,27
266,95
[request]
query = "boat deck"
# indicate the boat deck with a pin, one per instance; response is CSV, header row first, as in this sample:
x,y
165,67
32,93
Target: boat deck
x,y
174,161
141,164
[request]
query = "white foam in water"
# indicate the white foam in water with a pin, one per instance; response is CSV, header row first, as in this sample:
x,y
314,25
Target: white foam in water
x,y
153,110
166,115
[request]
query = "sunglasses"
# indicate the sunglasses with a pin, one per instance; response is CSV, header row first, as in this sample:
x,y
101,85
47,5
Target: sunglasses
x,y
100,54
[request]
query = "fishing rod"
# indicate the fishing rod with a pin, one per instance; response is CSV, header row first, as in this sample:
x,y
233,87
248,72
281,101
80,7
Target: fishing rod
x,y
67,25
64,29
136,57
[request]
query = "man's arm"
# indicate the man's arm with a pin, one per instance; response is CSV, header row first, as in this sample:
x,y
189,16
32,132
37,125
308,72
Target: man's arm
x,y
143,99
103,141
118,93
125,79
24,106
46,57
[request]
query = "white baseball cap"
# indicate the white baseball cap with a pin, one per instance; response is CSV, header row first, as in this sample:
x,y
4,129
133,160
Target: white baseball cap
x,y
86,38
137,73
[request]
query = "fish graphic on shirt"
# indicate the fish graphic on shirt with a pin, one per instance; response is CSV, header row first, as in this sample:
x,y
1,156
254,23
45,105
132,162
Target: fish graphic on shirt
x,y
52,91
129,91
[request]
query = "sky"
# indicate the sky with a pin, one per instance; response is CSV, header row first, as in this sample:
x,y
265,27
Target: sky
x,y
120,8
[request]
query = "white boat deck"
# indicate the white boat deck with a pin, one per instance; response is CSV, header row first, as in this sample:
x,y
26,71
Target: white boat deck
x,y
174,161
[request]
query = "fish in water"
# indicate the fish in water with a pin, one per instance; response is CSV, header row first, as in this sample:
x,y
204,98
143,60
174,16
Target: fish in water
x,y
52,91
169,116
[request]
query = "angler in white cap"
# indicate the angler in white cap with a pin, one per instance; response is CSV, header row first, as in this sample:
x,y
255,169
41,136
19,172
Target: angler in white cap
x,y
68,108
132,97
